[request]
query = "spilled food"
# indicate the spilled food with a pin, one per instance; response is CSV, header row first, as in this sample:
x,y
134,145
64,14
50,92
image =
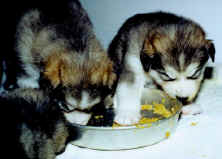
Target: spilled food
x,y
167,134
157,112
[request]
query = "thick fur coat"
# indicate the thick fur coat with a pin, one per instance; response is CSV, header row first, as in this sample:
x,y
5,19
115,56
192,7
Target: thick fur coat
x,y
160,49
35,127
54,48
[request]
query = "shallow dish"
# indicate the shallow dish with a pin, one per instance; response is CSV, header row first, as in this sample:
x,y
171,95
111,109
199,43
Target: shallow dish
x,y
130,137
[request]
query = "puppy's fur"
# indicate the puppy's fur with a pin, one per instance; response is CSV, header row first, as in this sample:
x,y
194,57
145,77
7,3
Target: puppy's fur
x,y
1,71
57,50
163,49
35,128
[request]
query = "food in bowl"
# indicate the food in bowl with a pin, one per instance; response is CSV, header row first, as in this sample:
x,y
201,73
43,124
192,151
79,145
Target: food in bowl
x,y
157,110
157,128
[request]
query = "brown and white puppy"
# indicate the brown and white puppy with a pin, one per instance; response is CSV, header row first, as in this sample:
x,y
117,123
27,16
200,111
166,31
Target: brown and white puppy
x,y
162,50
58,51
35,127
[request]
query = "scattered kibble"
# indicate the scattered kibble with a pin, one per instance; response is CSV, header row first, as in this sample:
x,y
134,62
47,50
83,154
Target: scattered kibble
x,y
193,123
98,116
116,125
167,134
161,110
147,107
157,108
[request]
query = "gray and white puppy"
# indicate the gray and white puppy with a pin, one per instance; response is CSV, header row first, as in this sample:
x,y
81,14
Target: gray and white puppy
x,y
167,50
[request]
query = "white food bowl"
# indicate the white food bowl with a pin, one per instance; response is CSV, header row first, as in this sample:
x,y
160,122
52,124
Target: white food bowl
x,y
130,137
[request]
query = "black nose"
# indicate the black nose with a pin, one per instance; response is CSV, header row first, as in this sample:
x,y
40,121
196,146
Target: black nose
x,y
183,100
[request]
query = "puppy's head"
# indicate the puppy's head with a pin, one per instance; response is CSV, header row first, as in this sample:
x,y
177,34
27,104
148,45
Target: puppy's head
x,y
176,55
79,81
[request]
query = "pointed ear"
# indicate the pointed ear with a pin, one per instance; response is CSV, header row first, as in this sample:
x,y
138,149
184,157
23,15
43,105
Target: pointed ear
x,y
147,53
103,73
109,77
52,70
210,49
156,41
146,61
61,70
148,47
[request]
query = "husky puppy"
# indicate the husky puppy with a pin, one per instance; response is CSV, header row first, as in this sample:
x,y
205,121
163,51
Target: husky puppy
x,y
164,49
56,50
36,128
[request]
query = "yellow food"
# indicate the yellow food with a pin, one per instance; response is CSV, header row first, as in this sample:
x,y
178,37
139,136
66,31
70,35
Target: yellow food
x,y
146,107
156,108
167,134
161,110
163,100
98,116
147,120
116,125
193,124
174,109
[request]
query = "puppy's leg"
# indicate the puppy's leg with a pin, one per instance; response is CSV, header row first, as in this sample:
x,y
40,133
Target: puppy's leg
x,y
30,79
129,92
127,103
26,35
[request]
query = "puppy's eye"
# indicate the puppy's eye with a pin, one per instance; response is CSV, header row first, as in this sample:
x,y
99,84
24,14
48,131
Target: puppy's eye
x,y
196,75
166,77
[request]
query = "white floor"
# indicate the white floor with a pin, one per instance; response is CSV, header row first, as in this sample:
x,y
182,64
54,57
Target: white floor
x,y
202,141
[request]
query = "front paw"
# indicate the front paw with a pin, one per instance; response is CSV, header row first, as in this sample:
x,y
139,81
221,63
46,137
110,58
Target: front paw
x,y
192,109
127,117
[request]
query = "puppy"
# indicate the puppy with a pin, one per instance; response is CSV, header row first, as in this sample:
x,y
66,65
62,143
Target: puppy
x,y
56,50
36,128
163,49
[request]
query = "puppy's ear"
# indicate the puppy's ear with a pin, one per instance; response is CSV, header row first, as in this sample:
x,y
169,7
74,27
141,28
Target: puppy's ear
x,y
58,70
146,61
210,49
157,42
52,70
148,47
103,73
109,76
147,53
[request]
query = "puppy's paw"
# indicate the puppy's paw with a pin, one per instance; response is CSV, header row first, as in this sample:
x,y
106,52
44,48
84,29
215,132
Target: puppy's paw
x,y
192,109
127,118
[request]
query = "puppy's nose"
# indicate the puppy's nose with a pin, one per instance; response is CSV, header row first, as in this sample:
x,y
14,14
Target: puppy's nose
x,y
183,100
